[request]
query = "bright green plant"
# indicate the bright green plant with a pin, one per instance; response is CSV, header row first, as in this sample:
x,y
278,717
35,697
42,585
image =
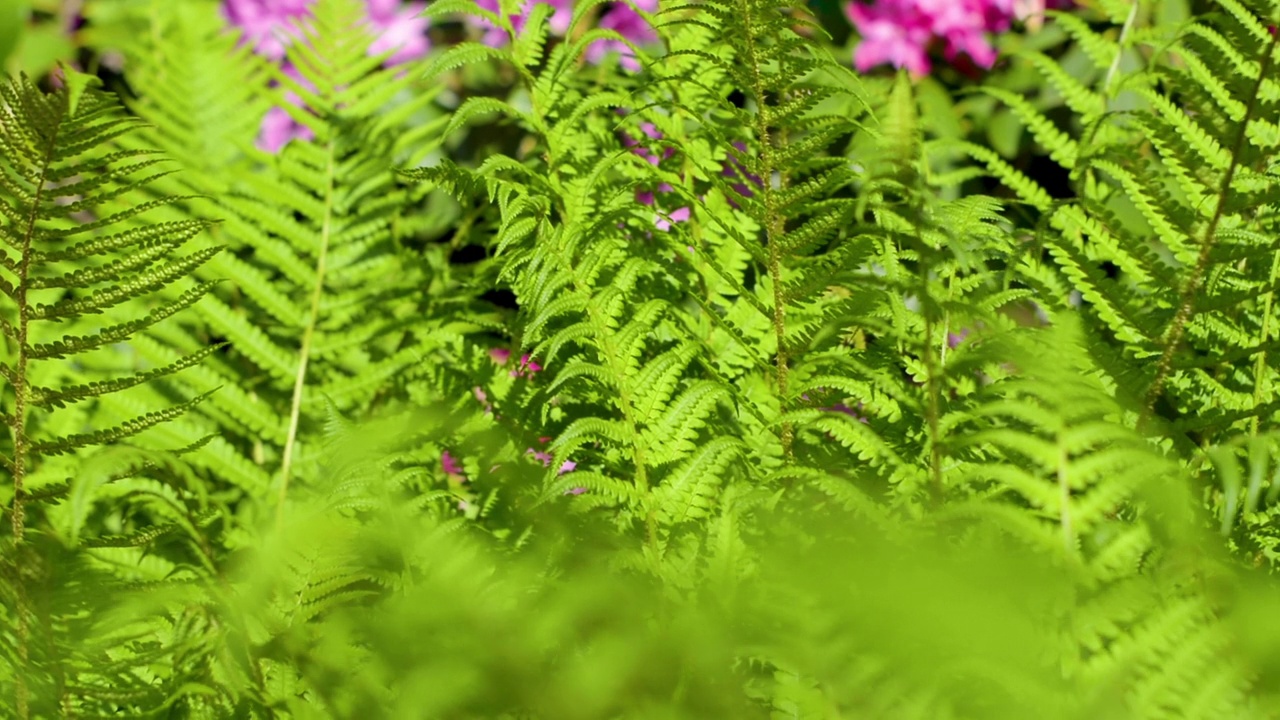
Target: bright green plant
x,y
769,393
79,280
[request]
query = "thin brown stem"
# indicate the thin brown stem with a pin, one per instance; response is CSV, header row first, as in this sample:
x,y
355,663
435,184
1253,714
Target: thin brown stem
x,y
1186,305
775,227
21,446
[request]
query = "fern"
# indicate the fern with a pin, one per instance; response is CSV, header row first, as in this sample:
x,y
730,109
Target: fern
x,y
325,305
703,378
79,280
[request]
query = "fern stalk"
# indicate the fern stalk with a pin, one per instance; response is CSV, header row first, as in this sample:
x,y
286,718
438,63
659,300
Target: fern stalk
x,y
18,422
1173,336
933,410
774,225
21,447
308,333
1260,376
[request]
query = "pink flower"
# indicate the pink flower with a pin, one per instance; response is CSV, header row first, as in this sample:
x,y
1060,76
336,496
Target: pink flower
x,y
898,32
653,133
451,466
278,127
500,355
630,25
494,36
526,368
851,412
269,25
483,398
398,28
546,458
891,33
678,215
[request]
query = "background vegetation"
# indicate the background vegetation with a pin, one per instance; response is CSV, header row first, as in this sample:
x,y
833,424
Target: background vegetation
x,y
604,360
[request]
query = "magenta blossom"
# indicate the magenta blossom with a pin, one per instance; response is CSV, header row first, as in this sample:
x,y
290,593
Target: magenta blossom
x,y
483,398
398,28
899,32
630,25
269,25
678,215
279,127
545,458
500,355
451,466
663,220
494,36
527,367
846,410
653,133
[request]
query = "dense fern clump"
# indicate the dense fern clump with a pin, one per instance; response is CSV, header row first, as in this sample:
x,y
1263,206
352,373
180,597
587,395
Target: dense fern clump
x,y
78,280
607,360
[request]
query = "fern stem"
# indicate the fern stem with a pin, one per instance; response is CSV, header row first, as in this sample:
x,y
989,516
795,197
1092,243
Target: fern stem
x,y
599,325
774,226
21,447
1186,305
1260,376
1129,22
933,411
308,335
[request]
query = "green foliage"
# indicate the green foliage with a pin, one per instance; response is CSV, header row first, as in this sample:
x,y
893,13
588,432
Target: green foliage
x,y
78,280
775,390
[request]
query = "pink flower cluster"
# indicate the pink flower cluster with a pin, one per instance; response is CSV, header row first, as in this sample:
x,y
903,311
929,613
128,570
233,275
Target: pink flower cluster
x,y
630,25
526,368
271,26
617,16
899,32
494,36
732,171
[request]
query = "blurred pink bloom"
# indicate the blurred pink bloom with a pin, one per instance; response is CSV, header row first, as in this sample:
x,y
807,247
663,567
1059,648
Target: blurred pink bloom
x,y
526,368
575,491
899,32
450,465
269,25
494,36
851,412
891,33
954,339
630,25
500,355
278,127
483,398
546,458
678,215
398,28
